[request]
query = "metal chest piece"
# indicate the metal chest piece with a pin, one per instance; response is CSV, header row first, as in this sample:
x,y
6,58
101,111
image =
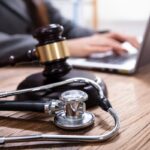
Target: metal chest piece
x,y
74,115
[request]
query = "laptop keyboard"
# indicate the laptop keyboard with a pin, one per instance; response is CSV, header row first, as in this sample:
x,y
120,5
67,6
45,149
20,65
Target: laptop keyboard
x,y
113,59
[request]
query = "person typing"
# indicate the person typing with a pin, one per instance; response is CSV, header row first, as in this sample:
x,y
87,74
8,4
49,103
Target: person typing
x,y
20,17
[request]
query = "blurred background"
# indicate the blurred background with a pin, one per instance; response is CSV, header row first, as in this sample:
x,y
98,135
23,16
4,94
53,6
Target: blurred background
x,y
127,16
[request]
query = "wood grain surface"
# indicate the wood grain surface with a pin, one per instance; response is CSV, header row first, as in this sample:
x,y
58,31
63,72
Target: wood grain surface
x,y
129,95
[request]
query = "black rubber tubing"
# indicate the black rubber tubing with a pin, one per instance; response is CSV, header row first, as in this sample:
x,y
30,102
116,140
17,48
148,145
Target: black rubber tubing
x,y
22,106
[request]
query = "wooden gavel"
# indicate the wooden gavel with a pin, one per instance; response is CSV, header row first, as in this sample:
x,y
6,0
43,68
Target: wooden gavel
x,y
51,51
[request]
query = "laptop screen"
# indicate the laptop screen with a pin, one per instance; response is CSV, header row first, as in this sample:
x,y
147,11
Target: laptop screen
x,y
144,54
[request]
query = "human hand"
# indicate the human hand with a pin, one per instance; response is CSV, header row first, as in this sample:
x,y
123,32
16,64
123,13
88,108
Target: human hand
x,y
82,47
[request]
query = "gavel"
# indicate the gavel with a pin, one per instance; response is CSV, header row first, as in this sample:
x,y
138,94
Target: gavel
x,y
51,51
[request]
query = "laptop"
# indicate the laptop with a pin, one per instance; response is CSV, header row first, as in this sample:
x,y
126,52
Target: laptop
x,y
126,64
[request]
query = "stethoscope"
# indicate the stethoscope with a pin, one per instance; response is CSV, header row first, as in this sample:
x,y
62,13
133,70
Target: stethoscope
x,y
69,112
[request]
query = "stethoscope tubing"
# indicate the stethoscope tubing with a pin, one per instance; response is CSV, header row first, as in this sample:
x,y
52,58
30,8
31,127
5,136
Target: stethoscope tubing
x,y
104,103
73,138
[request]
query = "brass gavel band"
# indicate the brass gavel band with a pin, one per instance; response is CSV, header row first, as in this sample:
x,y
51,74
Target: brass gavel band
x,y
54,51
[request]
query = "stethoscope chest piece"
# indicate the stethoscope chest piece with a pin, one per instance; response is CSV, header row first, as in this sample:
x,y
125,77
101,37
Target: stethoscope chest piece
x,y
74,116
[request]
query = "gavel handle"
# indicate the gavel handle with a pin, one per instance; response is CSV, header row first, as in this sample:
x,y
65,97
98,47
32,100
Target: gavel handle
x,y
27,57
22,106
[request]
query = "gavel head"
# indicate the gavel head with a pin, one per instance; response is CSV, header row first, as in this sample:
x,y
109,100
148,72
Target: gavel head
x,y
52,51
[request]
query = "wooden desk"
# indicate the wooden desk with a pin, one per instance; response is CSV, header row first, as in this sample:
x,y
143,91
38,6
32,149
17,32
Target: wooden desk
x,y
129,95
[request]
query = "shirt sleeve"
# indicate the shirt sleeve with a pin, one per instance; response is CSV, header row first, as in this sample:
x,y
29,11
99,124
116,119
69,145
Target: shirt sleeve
x,y
16,45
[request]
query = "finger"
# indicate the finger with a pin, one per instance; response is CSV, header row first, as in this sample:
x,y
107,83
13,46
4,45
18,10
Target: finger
x,y
134,42
111,44
93,49
120,53
117,47
122,38
118,36
96,48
